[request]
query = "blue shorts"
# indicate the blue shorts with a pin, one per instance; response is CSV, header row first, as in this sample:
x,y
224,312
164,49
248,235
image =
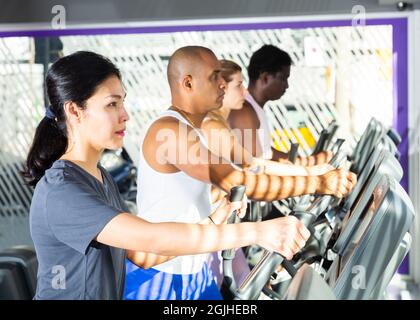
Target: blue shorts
x,y
152,284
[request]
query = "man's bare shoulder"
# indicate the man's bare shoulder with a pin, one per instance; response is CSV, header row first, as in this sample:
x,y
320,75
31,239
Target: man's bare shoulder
x,y
244,118
165,124
162,132
161,126
212,123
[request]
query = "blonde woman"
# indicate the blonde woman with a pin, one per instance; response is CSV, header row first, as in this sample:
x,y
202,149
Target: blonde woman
x,y
223,142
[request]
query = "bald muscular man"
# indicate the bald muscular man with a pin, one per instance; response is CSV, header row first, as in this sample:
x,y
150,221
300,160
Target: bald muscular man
x,y
176,171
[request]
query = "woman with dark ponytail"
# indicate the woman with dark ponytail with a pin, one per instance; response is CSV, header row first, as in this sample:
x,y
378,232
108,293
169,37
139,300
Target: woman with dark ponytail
x,y
79,224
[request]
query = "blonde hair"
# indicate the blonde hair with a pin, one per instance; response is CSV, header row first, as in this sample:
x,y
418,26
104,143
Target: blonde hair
x,y
228,69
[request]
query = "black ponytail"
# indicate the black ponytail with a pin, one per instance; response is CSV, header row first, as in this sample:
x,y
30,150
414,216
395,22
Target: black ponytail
x,y
72,78
49,144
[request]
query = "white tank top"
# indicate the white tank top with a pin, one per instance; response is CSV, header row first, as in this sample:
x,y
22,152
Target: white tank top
x,y
263,132
173,197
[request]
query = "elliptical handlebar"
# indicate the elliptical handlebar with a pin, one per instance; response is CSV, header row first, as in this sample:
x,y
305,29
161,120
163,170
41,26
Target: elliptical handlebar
x,y
259,275
321,141
293,152
236,194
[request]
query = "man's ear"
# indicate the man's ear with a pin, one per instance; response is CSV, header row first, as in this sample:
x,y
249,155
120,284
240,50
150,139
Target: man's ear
x,y
187,83
264,77
72,111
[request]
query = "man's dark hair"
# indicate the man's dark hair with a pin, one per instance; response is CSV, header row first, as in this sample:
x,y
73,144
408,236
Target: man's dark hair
x,y
269,59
